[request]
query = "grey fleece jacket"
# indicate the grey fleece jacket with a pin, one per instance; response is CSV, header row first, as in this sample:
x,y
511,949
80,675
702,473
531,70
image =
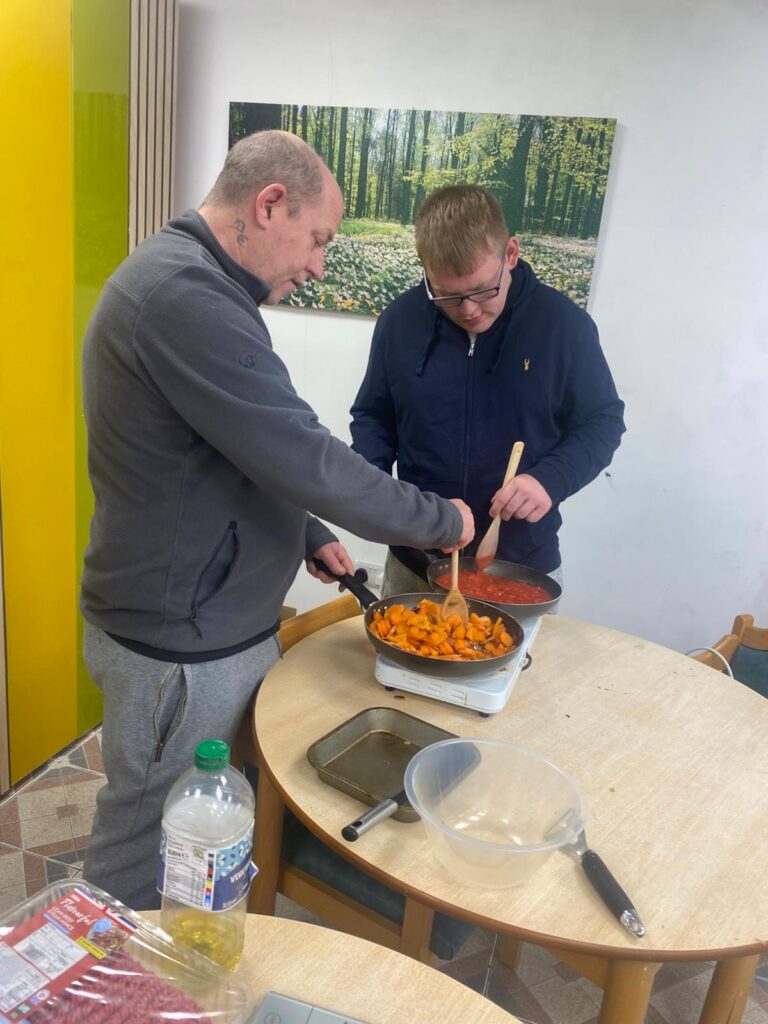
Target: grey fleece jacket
x,y
205,462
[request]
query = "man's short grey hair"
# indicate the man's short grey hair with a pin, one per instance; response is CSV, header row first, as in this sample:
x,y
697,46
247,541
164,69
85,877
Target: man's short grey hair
x,y
266,158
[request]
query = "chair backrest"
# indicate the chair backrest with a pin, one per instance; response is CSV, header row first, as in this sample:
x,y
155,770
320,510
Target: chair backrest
x,y
718,654
745,649
291,631
300,626
750,661
749,634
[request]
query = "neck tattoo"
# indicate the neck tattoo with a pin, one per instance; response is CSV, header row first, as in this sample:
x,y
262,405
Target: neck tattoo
x,y
242,238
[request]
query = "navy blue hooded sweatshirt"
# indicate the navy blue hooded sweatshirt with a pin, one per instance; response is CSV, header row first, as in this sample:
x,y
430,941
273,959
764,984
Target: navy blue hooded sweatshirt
x,y
448,413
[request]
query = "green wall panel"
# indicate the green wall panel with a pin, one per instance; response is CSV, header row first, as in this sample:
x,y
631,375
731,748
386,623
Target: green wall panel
x,y
101,68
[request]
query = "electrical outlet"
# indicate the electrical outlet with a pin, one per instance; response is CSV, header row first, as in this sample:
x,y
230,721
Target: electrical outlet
x,y
375,573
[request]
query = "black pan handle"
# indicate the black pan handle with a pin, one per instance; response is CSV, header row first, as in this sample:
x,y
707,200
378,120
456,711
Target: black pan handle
x,y
418,560
611,893
354,584
382,810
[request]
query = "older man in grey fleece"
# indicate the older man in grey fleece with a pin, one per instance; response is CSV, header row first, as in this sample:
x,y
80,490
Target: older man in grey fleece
x,y
208,471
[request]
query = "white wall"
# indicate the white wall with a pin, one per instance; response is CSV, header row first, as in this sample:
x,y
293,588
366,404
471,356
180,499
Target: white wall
x,y
675,541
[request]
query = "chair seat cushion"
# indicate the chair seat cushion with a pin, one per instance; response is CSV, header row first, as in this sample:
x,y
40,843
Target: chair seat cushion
x,y
305,851
750,667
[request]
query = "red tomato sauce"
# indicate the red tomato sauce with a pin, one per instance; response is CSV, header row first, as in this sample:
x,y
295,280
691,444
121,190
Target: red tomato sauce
x,y
486,587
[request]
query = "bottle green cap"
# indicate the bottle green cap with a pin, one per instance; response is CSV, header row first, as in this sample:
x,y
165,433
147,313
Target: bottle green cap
x,y
211,754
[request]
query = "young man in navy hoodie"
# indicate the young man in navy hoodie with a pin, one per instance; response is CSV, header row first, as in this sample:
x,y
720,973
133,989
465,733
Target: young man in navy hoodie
x,y
479,355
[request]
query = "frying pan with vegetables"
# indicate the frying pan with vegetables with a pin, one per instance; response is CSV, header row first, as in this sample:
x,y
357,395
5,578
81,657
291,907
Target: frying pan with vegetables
x,y
418,662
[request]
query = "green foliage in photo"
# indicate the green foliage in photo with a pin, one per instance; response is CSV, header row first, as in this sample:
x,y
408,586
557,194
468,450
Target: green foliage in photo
x,y
367,269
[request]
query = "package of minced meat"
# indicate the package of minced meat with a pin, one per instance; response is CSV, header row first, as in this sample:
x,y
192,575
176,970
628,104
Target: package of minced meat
x,y
72,954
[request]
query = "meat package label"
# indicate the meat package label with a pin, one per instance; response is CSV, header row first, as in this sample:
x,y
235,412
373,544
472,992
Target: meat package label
x,y
45,954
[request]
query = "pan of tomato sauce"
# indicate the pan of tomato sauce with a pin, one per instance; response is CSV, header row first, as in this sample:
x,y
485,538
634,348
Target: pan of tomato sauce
x,y
516,589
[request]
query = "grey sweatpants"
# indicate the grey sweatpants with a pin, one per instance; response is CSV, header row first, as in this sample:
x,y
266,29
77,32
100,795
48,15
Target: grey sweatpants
x,y
155,713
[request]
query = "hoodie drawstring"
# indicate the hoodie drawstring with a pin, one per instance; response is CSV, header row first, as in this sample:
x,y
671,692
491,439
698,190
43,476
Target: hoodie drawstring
x,y
430,344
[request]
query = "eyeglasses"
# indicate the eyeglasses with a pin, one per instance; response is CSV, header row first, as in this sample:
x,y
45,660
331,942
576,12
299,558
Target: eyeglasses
x,y
453,301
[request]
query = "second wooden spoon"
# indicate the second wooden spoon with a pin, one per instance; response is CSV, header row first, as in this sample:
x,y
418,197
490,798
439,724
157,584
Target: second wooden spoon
x,y
486,549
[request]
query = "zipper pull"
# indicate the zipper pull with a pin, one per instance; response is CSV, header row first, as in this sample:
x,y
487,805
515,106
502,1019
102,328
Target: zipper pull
x,y
472,346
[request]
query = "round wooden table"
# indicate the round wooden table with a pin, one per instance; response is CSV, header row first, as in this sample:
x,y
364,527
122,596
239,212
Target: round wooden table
x,y
673,759
351,976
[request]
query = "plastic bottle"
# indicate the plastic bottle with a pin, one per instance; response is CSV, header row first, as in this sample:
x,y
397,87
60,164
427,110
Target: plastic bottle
x,y
205,866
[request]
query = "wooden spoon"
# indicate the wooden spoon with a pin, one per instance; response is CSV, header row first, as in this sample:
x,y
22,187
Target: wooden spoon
x,y
486,549
454,603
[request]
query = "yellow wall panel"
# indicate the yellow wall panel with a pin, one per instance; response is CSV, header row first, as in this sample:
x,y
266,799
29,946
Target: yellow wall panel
x,y
37,379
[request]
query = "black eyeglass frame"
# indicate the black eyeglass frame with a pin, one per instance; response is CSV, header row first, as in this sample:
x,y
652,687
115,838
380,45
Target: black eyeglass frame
x,y
454,301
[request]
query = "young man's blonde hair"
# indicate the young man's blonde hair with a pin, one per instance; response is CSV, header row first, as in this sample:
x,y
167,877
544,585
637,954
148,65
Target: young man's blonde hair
x,y
264,158
458,224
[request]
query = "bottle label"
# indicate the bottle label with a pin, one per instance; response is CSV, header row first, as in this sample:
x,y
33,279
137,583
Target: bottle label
x,y
201,876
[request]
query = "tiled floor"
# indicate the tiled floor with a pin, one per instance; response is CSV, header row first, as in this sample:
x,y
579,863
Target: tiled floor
x,y
45,822
44,828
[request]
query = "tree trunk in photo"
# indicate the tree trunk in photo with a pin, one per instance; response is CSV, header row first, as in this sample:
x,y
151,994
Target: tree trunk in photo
x,y
532,178
331,137
361,201
410,148
576,208
304,122
592,226
549,216
342,157
562,213
294,118
260,116
427,115
590,223
351,180
319,130
501,129
458,132
580,191
236,122
538,207
513,196
535,218
445,145
587,227
560,229
392,164
381,176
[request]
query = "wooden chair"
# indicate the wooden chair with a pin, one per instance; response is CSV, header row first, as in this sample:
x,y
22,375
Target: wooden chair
x,y
745,649
310,873
720,654
300,626
291,632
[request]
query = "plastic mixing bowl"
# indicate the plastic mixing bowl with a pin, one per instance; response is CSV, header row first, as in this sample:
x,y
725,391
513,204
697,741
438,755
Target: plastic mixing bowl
x,y
493,811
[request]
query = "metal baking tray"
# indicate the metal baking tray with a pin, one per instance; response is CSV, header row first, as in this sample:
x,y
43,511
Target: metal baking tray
x,y
367,755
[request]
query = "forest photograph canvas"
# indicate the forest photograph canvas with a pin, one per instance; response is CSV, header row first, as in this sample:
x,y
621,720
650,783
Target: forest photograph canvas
x,y
548,173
